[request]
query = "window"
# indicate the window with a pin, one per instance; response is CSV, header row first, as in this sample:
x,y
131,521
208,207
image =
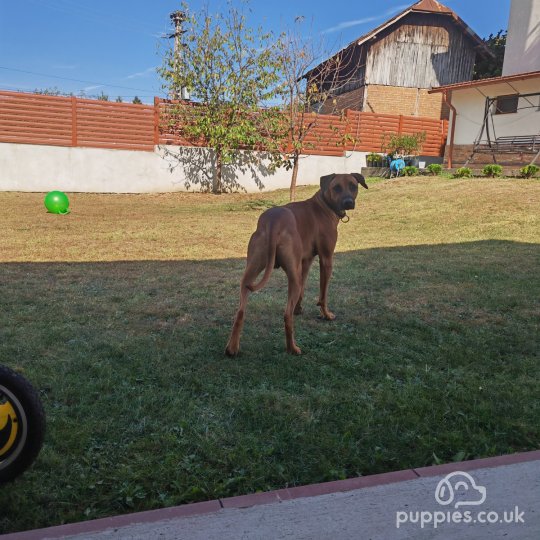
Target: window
x,y
506,104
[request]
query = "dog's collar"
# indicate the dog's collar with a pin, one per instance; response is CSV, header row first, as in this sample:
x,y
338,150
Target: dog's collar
x,y
342,216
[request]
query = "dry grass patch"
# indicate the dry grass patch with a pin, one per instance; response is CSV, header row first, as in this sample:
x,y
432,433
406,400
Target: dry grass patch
x,y
195,226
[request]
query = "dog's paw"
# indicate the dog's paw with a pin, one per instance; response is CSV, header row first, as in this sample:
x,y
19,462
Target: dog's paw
x,y
327,315
231,351
294,350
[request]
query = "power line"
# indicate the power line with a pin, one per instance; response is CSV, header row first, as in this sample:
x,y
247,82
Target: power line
x,y
93,16
75,80
85,9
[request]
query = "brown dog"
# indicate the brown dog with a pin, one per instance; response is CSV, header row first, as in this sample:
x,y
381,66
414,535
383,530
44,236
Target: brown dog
x,y
289,237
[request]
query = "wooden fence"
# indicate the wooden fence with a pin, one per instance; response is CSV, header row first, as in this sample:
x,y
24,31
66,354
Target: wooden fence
x,y
332,135
70,121
364,132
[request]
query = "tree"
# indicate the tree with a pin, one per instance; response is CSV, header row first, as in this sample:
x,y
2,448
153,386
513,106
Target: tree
x,y
103,97
409,145
49,91
137,100
230,72
307,86
492,66
119,99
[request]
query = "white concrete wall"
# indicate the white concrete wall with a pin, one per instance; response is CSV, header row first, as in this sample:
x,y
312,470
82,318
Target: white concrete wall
x,y
522,53
469,104
36,168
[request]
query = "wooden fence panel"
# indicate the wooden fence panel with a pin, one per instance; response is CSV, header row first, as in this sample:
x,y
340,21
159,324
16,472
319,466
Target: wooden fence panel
x,y
126,126
35,119
369,130
167,133
70,121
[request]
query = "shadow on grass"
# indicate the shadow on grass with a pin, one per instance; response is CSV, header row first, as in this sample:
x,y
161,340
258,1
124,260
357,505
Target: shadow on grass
x,y
433,358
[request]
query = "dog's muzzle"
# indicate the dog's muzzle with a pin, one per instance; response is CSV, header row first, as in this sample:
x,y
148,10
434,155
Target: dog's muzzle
x,y
348,204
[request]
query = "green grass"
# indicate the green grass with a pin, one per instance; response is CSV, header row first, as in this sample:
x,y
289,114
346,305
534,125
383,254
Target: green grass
x,y
120,312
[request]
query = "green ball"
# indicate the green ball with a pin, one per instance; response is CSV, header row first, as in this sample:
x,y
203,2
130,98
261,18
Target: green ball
x,y
57,202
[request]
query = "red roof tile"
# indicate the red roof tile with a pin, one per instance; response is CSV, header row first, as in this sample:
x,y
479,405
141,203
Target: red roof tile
x,y
431,5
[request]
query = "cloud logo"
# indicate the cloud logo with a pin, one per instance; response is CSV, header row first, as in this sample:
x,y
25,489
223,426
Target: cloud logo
x,y
456,483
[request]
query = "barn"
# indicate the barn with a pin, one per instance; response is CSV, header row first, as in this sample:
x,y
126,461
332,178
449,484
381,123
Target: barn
x,y
390,69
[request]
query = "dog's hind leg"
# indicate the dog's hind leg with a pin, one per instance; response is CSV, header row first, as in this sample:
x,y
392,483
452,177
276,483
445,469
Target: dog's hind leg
x,y
295,290
291,262
255,265
233,344
306,265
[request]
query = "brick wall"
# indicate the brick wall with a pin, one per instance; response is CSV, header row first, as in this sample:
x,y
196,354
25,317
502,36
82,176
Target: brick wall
x,y
463,151
351,100
407,101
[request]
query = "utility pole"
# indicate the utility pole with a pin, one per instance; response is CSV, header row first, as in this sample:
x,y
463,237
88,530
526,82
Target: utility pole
x,y
177,18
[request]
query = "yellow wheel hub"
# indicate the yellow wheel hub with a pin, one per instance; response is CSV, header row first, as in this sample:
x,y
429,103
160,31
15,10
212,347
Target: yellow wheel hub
x,y
9,428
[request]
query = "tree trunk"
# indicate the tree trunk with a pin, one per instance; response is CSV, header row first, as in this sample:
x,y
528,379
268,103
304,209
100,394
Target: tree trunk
x,y
294,176
217,188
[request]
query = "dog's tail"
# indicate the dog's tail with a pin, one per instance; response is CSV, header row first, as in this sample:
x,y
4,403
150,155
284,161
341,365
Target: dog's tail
x,y
270,261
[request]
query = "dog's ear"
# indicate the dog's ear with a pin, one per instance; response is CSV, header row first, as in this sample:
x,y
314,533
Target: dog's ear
x,y
325,181
360,179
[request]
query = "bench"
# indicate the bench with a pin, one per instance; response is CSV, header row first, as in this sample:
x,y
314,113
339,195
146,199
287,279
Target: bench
x,y
512,144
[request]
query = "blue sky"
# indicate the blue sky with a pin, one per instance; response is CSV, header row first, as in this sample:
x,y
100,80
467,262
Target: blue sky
x,y
114,46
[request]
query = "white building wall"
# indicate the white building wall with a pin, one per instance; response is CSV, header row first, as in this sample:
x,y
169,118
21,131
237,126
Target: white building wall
x,y
469,104
36,168
522,53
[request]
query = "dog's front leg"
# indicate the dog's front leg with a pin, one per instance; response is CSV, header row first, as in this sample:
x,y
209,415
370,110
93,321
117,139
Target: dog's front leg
x,y
325,265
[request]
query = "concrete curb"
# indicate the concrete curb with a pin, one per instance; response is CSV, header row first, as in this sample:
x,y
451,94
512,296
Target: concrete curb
x,y
269,497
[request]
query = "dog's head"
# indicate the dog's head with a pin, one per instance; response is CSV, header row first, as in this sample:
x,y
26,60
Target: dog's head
x,y
340,190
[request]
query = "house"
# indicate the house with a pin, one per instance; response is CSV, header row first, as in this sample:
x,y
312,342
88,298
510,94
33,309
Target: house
x,y
390,69
498,119
522,53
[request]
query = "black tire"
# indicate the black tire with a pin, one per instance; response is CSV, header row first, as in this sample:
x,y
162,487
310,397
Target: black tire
x,y
22,424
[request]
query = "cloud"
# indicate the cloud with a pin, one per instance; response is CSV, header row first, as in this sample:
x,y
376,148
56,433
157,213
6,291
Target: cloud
x,y
348,24
357,22
142,73
90,88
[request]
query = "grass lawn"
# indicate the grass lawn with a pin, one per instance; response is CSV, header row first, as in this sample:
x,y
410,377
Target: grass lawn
x,y
120,311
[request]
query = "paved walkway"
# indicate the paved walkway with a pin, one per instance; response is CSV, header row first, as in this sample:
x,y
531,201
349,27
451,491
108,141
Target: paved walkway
x,y
399,505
